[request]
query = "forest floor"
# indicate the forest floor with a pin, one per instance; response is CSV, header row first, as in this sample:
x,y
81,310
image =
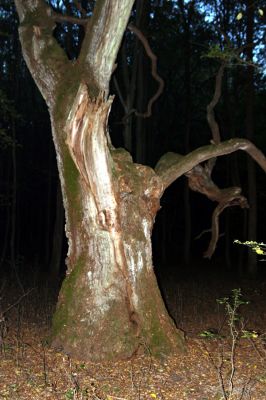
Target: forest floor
x,y
29,369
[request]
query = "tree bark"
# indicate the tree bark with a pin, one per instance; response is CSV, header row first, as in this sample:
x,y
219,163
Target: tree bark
x,y
58,235
109,258
109,304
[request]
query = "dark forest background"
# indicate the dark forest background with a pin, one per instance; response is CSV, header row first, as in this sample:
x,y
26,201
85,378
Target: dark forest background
x,y
190,40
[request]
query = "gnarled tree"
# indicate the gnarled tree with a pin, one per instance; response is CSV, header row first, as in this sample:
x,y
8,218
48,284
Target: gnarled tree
x,y
109,302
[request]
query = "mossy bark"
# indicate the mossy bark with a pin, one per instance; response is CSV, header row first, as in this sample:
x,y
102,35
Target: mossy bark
x,y
109,304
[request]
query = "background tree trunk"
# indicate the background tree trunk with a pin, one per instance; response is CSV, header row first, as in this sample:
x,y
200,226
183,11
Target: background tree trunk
x,y
49,198
249,122
185,15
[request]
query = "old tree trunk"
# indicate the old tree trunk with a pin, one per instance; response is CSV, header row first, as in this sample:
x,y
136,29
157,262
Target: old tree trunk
x,y
109,304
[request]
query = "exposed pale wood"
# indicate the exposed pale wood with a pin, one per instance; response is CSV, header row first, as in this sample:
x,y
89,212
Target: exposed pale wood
x,y
104,35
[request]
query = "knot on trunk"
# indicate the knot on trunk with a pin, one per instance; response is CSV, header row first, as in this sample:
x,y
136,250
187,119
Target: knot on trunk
x,y
107,219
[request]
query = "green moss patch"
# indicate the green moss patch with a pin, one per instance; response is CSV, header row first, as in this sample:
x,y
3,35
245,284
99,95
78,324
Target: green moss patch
x,y
62,316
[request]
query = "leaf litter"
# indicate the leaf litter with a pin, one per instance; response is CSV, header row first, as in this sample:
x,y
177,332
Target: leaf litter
x,y
30,369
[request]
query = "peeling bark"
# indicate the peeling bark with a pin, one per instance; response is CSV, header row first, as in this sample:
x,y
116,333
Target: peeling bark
x,y
118,306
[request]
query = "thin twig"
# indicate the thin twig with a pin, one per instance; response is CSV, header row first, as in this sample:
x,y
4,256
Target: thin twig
x,y
45,374
18,301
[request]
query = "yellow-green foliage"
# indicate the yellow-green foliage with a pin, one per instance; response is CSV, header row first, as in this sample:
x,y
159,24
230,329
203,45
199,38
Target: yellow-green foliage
x,y
259,248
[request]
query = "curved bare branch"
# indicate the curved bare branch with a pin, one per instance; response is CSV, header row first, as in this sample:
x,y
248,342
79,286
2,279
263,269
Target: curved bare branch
x,y
68,18
210,107
199,180
231,199
171,166
154,73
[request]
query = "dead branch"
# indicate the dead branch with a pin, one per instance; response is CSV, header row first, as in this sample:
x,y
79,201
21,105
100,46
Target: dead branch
x,y
171,166
68,18
207,231
121,98
214,127
226,197
229,201
17,301
154,73
210,107
79,7
199,180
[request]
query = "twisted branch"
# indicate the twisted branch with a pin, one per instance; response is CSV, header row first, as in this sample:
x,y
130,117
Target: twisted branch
x,y
199,178
154,73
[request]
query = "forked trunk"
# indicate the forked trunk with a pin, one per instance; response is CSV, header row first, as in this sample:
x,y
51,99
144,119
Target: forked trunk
x,y
109,304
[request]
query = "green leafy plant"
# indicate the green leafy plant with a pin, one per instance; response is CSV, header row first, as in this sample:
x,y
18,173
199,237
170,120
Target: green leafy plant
x,y
69,395
77,394
249,334
235,324
234,318
259,248
226,54
210,334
